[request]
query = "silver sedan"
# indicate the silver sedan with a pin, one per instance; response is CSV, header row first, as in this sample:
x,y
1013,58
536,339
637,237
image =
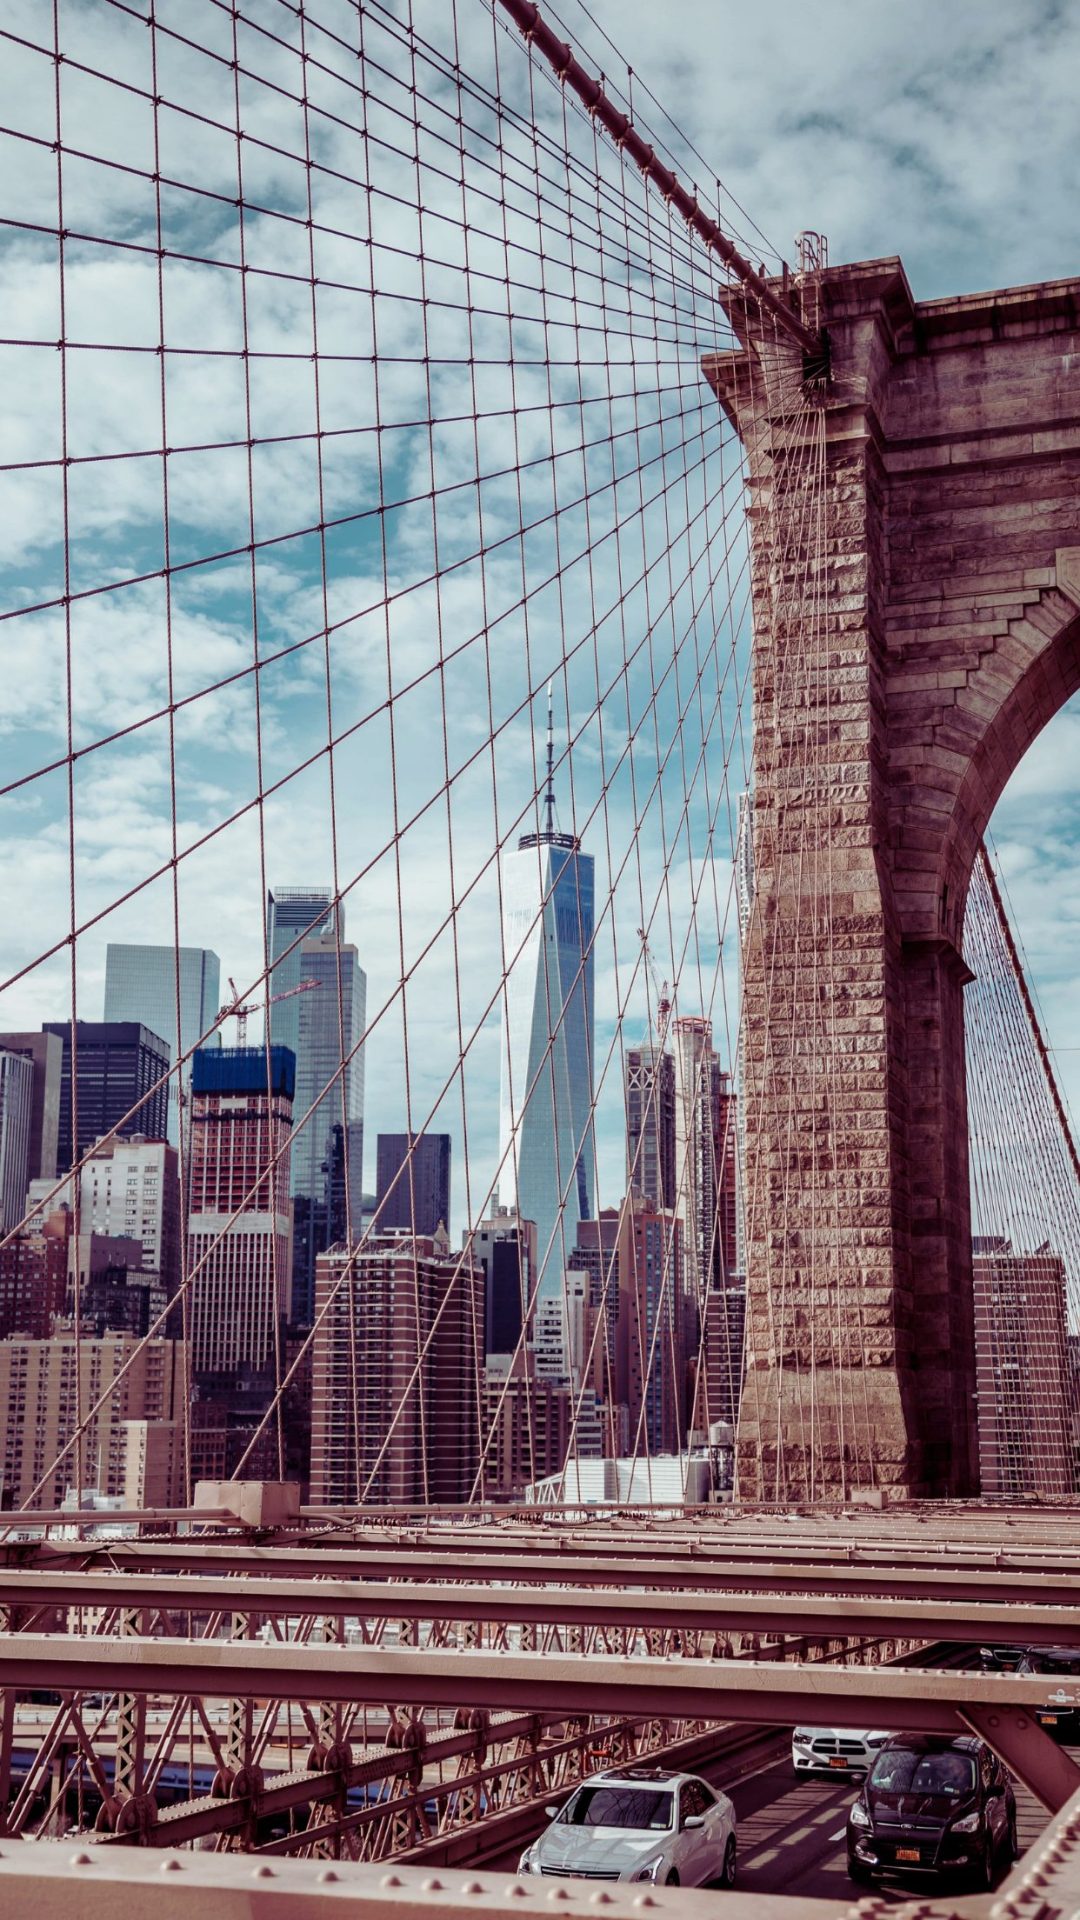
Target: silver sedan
x,y
639,1823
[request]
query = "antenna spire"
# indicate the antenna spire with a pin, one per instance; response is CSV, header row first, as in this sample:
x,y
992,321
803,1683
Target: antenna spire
x,y
547,833
549,796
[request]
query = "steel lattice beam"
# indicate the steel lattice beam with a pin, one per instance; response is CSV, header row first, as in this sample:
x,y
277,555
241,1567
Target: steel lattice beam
x,y
834,1616
719,1690
1056,1585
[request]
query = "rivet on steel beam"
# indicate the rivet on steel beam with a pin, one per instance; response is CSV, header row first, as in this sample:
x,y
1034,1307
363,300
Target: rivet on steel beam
x,y
80,1860
262,1873
329,1874
171,1865
474,1886
644,1900
558,1893
601,1899
515,1891
391,1880
429,1886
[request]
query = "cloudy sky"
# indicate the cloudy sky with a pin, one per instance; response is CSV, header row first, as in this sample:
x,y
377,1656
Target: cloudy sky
x,y
944,134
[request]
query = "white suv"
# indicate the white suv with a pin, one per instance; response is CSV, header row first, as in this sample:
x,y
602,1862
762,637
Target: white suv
x,y
834,1749
639,1823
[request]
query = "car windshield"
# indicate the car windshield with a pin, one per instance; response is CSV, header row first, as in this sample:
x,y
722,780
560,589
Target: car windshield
x,y
1055,1660
639,1808
900,1771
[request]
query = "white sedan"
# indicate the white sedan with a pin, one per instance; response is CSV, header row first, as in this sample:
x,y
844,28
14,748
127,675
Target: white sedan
x,y
835,1749
639,1823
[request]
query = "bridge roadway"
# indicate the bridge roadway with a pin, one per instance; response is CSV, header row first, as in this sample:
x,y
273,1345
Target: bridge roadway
x,y
791,1830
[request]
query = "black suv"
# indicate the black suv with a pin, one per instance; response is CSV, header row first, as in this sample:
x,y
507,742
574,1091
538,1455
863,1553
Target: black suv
x,y
933,1804
1060,1715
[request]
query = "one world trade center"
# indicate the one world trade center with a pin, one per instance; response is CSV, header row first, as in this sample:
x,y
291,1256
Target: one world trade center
x,y
546,1132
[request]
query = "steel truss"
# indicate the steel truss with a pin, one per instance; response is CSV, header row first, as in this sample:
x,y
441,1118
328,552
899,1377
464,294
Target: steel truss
x,y
395,1686
434,1771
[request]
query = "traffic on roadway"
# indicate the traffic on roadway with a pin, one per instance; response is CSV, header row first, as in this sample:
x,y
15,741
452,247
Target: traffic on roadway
x,y
791,1832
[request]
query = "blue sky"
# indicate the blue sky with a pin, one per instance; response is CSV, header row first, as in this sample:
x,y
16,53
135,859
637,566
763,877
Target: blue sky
x,y
871,123
944,134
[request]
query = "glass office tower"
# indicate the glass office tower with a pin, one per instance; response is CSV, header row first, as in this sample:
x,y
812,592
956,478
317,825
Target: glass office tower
x,y
16,1107
238,1226
140,984
120,1065
547,1174
294,914
412,1182
322,1025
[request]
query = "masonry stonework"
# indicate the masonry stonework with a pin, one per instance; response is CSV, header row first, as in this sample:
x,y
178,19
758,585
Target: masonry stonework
x,y
915,552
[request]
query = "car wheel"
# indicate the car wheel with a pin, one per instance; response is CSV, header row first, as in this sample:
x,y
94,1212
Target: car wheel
x,y
860,1874
1011,1840
727,1876
673,1878
984,1872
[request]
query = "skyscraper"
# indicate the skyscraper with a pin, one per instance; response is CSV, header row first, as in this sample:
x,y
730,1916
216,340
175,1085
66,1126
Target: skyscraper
x,y
131,1380
34,1275
397,1370
412,1189
526,1428
141,984
132,1188
504,1245
597,1254
16,1108
546,1106
1022,1372
722,1342
293,915
322,1027
650,1123
241,1119
653,1328
725,1122
45,1051
119,1062
704,1157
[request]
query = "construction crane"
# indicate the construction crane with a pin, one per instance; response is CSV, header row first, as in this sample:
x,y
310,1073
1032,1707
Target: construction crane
x,y
240,1010
663,997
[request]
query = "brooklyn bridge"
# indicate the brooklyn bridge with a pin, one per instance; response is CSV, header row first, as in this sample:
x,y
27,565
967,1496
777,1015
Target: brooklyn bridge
x,y
432,506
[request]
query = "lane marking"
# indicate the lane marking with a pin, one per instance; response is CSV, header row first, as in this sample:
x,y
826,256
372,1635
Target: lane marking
x,y
838,1836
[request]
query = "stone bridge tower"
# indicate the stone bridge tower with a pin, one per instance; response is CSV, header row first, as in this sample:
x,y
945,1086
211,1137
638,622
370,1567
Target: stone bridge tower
x,y
915,550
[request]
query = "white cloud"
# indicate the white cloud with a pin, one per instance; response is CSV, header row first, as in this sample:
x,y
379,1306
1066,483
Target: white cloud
x,y
943,133
871,125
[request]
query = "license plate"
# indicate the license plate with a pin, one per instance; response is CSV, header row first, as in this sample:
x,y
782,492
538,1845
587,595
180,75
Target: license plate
x,y
1048,1719
837,1760
907,1853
